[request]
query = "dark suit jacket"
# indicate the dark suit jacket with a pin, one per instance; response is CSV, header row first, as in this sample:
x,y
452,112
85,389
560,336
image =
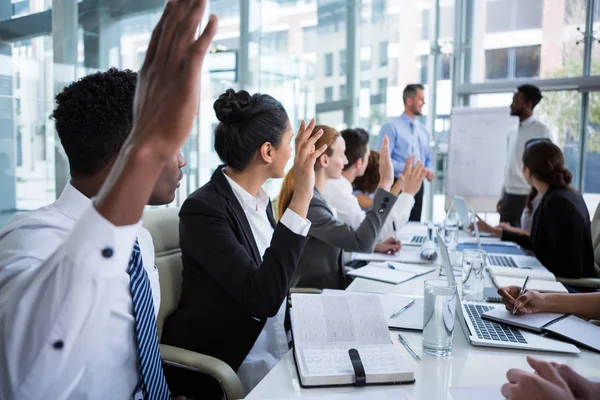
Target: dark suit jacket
x,y
561,235
227,291
321,263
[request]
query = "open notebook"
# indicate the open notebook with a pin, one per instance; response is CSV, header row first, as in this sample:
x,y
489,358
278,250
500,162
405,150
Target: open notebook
x,y
563,326
539,280
327,327
390,272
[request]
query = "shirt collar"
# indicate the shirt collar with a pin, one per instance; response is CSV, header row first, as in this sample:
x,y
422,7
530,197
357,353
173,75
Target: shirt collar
x,y
528,122
73,201
257,203
404,117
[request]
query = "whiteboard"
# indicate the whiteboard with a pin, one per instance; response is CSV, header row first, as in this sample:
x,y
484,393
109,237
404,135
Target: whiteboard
x,y
477,154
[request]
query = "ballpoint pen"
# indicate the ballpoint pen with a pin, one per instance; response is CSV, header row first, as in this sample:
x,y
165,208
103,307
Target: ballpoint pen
x,y
404,307
515,308
408,347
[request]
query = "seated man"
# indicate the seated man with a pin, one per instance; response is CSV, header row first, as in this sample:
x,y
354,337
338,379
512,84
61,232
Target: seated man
x,y
338,192
77,306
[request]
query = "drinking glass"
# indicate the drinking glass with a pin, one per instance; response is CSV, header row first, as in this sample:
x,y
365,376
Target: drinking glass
x,y
439,316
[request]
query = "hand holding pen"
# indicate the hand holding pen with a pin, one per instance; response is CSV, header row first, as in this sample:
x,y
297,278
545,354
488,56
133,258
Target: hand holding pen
x,y
530,302
521,293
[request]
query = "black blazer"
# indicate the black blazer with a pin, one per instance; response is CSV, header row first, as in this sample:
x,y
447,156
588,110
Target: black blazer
x,y
561,235
227,292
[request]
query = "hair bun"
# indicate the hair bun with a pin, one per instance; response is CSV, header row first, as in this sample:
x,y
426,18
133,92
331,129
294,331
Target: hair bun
x,y
561,178
233,106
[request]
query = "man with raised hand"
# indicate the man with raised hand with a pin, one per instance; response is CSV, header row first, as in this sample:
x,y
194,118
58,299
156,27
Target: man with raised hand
x,y
80,322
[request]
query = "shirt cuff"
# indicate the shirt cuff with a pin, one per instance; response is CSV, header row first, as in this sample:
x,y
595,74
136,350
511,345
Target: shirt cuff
x,y
96,236
295,223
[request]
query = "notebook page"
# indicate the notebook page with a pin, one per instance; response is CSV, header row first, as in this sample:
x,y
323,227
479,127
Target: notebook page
x,y
527,321
577,330
417,269
332,319
382,274
521,273
533,284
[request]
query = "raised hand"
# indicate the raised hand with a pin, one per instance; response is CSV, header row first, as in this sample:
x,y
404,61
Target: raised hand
x,y
304,166
386,168
413,176
168,88
165,104
529,302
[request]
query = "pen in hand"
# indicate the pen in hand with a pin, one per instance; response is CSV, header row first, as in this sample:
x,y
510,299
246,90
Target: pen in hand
x,y
521,293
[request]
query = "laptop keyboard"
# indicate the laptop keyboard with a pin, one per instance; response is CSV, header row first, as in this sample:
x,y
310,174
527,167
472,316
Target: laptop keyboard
x,y
418,239
492,330
503,261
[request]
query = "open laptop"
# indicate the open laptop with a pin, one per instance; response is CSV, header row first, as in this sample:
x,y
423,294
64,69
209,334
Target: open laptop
x,y
481,332
413,234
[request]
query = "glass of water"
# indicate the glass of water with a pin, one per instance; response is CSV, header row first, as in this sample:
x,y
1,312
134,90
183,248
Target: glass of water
x,y
439,316
451,229
473,280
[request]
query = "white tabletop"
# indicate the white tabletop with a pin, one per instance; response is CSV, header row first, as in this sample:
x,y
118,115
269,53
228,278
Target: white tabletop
x,y
468,366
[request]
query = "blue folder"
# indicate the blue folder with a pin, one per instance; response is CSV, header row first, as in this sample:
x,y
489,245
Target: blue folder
x,y
492,248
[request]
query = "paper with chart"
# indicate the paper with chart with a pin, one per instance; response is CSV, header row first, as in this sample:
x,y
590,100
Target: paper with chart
x,y
325,327
477,150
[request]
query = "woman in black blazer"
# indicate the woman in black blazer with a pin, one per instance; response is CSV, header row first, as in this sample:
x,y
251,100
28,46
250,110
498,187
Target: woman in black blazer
x,y
561,229
237,262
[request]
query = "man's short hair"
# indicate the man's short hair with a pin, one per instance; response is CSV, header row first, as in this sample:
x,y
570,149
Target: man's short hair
x,y
93,117
357,140
531,93
410,91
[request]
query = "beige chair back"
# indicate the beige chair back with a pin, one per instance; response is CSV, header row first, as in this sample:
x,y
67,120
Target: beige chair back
x,y
163,225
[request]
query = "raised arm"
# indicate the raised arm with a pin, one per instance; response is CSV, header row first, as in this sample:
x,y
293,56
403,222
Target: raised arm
x,y
71,289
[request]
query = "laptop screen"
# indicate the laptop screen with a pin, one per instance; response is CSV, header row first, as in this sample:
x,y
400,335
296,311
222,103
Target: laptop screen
x,y
446,262
461,209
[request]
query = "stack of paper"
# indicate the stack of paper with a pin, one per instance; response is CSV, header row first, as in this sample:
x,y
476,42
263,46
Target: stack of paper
x,y
391,272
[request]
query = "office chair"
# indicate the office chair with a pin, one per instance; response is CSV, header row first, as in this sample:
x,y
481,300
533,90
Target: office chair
x,y
163,225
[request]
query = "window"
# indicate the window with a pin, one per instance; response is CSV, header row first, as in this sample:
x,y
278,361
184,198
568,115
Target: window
x,y
424,68
518,62
382,85
444,67
378,11
510,15
365,58
383,54
342,62
328,94
424,24
329,64
365,84
343,92
527,62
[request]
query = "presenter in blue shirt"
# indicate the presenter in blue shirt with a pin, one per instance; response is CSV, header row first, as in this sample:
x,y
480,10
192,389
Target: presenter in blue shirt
x,y
408,137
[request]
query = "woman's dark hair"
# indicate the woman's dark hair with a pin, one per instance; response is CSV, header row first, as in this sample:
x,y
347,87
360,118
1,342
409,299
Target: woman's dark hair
x,y
369,181
247,122
357,141
546,162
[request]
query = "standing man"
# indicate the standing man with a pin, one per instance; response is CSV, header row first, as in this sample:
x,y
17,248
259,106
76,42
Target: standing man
x,y
515,188
408,137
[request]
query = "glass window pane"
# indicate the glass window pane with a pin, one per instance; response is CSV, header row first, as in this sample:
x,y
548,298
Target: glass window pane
x,y
527,62
342,62
328,64
496,64
512,24
591,174
383,54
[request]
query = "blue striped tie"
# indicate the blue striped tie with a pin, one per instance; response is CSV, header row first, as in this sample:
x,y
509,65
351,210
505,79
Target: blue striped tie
x,y
152,376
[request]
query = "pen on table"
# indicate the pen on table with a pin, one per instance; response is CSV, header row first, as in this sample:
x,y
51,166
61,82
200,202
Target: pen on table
x,y
515,308
404,307
408,347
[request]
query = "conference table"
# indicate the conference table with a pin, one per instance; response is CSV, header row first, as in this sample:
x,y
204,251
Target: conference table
x,y
468,366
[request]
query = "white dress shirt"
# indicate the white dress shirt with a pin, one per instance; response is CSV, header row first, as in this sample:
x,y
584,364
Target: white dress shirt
x,y
65,304
514,181
272,343
338,193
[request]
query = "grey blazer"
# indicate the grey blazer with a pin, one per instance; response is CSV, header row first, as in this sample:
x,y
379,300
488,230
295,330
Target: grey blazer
x,y
320,265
